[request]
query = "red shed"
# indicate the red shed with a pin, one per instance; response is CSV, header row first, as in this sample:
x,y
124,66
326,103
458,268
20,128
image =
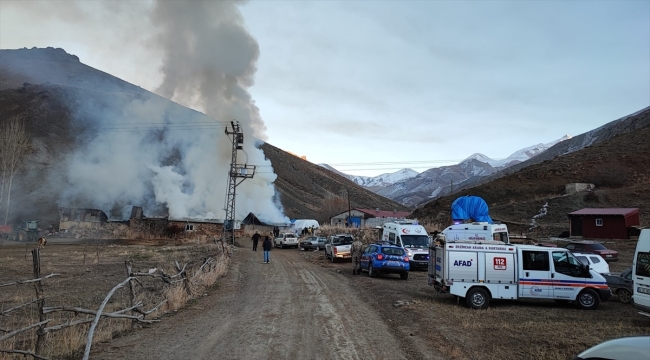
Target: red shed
x,y
603,223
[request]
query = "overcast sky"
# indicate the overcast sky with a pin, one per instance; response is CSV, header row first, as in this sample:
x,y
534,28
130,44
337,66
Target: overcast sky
x,y
410,84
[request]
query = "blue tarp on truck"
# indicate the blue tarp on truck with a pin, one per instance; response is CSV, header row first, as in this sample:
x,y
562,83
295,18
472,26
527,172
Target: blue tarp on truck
x,y
470,208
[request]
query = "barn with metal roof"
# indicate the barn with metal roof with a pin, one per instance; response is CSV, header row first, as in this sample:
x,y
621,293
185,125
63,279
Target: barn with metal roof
x,y
603,223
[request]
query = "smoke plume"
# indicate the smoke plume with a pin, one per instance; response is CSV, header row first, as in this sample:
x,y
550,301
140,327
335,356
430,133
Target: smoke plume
x,y
152,153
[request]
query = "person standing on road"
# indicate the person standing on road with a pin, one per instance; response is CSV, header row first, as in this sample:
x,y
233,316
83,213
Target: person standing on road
x,y
267,246
256,239
355,250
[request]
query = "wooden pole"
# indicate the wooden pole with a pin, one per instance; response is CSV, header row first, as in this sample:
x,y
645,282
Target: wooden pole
x,y
129,267
40,333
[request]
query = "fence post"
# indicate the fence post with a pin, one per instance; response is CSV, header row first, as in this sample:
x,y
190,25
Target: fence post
x,y
40,341
129,271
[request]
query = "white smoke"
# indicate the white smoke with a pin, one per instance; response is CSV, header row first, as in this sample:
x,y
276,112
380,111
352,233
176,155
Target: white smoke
x,y
151,153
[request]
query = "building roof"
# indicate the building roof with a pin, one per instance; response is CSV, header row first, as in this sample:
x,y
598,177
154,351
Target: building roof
x,y
384,213
606,211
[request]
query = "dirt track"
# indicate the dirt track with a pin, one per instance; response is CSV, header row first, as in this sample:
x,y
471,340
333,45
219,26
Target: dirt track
x,y
289,309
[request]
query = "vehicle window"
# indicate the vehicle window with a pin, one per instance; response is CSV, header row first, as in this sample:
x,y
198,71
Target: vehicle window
x,y
411,241
501,236
347,240
628,276
570,246
594,259
392,251
597,247
579,247
391,237
372,248
367,250
643,264
567,264
536,260
583,259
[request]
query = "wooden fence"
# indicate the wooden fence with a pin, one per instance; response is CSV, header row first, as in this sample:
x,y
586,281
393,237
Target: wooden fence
x,y
133,311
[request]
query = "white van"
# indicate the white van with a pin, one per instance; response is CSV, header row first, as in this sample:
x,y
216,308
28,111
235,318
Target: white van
x,y
641,274
481,270
412,237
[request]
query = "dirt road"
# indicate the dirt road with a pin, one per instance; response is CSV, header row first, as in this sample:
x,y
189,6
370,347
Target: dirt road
x,y
291,308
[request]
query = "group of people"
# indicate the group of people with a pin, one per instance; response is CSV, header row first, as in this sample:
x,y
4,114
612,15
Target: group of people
x,y
267,245
306,231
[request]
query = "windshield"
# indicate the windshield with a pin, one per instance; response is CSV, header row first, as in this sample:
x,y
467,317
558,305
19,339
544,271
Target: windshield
x,y
343,240
583,259
501,236
413,241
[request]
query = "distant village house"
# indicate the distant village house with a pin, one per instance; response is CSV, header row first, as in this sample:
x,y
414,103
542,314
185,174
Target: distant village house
x,y
603,223
367,217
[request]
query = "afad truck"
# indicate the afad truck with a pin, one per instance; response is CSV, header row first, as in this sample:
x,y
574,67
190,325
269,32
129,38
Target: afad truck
x,y
412,237
481,270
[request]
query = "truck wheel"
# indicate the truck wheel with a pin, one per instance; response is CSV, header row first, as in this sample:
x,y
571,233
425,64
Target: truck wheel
x,y
477,298
404,276
624,295
588,299
371,271
333,259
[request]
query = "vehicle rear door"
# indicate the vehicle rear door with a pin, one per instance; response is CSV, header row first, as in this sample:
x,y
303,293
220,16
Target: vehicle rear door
x,y
535,275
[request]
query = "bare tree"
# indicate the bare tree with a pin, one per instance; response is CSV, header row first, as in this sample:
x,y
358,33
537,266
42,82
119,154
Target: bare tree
x,y
332,205
14,146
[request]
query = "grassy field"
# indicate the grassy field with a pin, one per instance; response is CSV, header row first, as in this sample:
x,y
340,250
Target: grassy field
x,y
88,271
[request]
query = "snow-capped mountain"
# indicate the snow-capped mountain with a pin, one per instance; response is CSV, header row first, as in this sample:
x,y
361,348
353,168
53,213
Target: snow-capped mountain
x,y
410,188
379,180
518,156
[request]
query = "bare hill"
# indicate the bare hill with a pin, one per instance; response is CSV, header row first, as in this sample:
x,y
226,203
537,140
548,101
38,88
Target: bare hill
x,y
619,167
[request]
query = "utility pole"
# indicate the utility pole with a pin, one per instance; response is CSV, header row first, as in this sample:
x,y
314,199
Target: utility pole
x,y
349,208
237,171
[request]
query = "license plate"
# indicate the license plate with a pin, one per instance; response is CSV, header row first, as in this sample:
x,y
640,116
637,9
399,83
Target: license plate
x,y
394,263
608,255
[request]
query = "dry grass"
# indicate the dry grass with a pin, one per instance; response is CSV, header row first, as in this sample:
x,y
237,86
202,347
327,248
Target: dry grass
x,y
88,272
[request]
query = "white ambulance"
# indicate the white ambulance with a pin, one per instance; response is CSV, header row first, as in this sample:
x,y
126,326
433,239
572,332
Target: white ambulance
x,y
412,237
481,270
641,274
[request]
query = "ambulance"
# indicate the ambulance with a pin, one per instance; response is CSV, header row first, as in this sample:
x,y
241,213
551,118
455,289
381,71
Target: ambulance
x,y
479,231
412,237
481,270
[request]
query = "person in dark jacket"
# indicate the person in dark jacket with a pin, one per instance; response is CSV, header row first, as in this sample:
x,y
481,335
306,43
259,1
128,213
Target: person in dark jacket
x,y
255,239
267,246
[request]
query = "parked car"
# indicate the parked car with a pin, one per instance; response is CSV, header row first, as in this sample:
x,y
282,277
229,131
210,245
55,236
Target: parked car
x,y
621,285
286,240
595,262
633,347
313,243
385,259
593,247
338,247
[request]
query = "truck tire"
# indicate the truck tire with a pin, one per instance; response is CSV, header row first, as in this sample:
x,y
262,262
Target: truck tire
x,y
477,298
333,259
404,276
624,296
588,299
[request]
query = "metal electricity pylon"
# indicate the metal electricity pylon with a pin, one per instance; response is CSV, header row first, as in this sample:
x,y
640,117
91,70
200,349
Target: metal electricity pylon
x,y
237,171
